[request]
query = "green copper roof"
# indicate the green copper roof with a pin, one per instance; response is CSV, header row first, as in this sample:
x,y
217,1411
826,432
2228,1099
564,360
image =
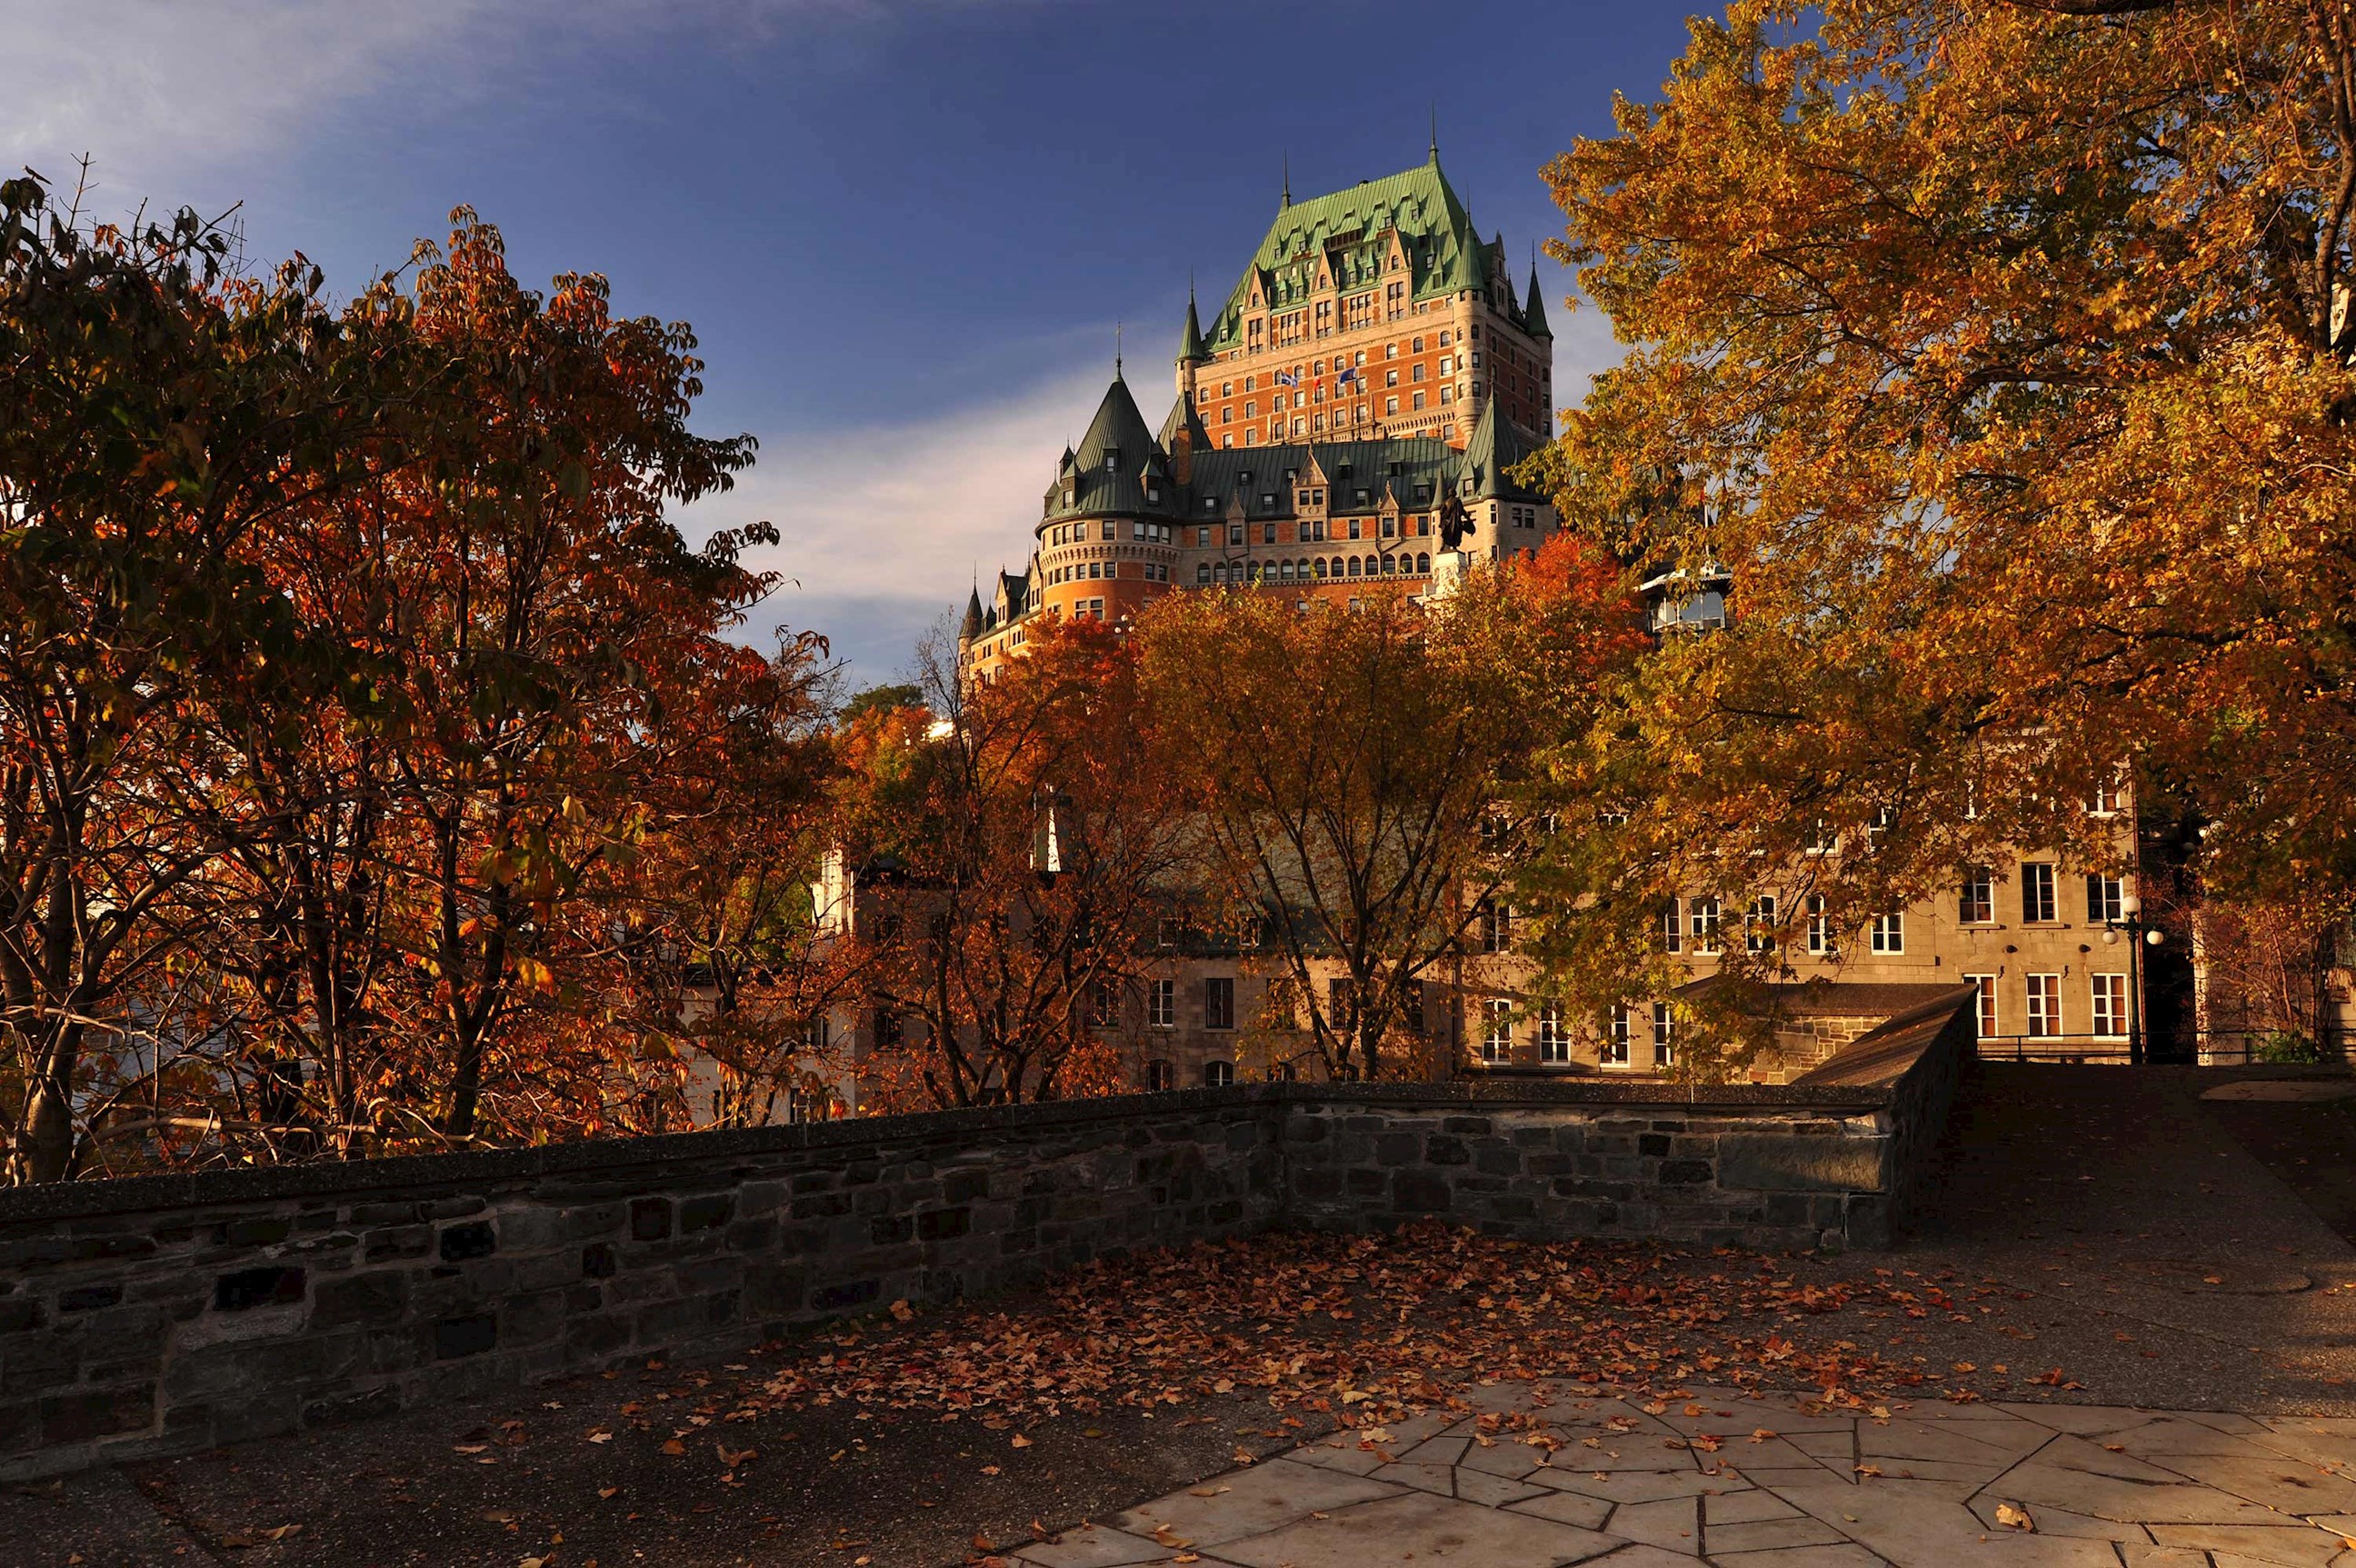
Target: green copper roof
x,y
1444,252
1534,309
1495,448
1181,416
1190,348
1109,472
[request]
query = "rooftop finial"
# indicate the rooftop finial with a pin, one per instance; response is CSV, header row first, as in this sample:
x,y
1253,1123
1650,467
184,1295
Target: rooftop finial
x,y
1115,350
1435,130
1286,200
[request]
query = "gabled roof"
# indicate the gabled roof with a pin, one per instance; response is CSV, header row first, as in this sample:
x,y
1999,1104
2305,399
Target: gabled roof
x,y
1349,467
1182,416
1352,231
1118,432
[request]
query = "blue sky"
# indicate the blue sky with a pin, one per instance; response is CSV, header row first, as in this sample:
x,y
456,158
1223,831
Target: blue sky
x,y
904,230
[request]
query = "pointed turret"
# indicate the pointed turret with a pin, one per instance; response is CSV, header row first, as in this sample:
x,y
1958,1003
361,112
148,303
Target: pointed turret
x,y
1533,308
1113,470
971,626
1191,350
1489,456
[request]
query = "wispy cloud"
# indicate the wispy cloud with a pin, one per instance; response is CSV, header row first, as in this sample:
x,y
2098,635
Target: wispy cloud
x,y
158,90
885,528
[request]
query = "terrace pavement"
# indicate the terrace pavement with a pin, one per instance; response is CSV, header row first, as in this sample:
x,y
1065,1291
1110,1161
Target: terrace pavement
x,y
2137,1348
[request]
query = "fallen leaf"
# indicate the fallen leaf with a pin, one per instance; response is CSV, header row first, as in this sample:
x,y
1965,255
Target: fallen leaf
x,y
1020,1441
608,1491
674,1446
2013,1518
601,1437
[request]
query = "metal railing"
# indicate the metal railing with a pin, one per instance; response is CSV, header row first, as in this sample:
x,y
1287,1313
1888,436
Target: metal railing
x,y
2209,1047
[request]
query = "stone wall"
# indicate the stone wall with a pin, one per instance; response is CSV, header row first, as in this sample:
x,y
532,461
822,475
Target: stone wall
x,y
169,1314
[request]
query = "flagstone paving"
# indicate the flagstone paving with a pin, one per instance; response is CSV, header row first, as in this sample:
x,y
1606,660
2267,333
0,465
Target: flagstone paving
x,y
1541,1477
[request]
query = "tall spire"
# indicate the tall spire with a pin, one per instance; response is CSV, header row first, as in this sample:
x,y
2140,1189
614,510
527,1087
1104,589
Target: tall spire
x,y
1115,350
1435,130
1286,200
1190,348
1533,305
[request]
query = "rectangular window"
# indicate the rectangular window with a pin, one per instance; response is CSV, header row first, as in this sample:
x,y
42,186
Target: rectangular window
x,y
1889,933
2044,1015
1219,1002
2105,803
1104,1004
1705,923
1759,930
2037,901
1554,1041
1498,1040
1821,942
1614,1050
1663,1028
1162,1005
1985,984
2110,1004
1497,926
1673,927
1976,906
2106,898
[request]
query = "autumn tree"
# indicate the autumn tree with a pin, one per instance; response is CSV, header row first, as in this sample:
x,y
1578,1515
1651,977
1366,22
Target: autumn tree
x,y
1019,850
156,414
1362,777
1996,355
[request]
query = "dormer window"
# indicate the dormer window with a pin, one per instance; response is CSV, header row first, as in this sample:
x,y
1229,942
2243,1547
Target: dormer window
x,y
1112,459
1070,495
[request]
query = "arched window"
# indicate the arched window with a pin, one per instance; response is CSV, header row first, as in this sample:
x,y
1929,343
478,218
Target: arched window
x,y
1202,573
1218,572
1284,572
1390,564
1218,1075
1423,564
1321,566
1354,567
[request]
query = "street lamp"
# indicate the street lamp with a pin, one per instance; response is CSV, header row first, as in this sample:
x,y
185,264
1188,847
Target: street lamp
x,y
2140,934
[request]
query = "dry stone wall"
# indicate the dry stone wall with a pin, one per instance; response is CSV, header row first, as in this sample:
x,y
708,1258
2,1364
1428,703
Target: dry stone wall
x,y
166,1315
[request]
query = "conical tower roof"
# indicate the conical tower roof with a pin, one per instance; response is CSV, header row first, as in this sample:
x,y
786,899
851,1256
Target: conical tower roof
x,y
1533,308
1109,471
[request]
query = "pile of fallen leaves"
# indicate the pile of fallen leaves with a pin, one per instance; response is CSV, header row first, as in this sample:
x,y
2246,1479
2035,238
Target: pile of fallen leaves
x,y
1359,1329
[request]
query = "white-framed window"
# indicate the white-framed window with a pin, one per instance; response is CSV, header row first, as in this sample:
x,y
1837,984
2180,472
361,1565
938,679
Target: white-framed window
x,y
1497,926
1162,1003
2037,901
1554,1040
2108,996
1497,1038
1822,941
1672,926
1888,932
2105,803
1758,929
1159,1075
1822,840
1704,911
1975,904
1617,1038
1218,1075
2042,1020
1665,1027
2106,898
1986,1005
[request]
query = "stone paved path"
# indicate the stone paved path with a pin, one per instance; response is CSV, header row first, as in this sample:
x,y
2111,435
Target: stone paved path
x,y
1772,1483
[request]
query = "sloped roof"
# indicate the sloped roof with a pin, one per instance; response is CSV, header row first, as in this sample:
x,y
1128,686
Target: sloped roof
x,y
1349,229
1495,448
1182,416
1121,433
1534,319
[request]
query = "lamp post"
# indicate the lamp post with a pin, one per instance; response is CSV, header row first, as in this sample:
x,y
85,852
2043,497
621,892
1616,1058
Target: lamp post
x,y
2139,935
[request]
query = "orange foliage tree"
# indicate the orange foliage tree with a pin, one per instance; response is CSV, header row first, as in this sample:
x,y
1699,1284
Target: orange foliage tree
x,y
1022,850
1998,353
1361,779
